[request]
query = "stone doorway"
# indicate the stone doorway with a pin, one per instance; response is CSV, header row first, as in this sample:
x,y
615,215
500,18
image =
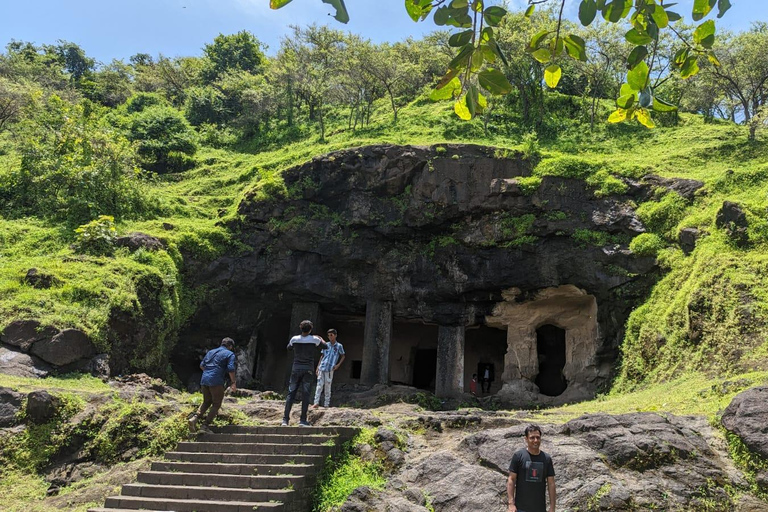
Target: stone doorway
x,y
550,348
424,368
484,346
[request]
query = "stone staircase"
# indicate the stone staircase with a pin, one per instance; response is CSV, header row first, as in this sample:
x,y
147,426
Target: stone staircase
x,y
235,469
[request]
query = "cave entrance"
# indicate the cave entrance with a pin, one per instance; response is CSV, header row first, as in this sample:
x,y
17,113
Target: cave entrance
x,y
413,354
550,347
484,348
425,368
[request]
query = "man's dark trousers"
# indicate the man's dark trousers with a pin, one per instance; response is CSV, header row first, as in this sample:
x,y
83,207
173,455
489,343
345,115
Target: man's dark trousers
x,y
212,397
303,378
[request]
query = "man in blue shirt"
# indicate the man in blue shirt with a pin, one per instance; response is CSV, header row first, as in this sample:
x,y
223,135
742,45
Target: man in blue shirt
x,y
331,359
303,370
215,365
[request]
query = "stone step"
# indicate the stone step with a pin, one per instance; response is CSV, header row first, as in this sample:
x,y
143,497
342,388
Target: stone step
x,y
262,448
244,458
267,438
291,430
218,468
162,504
223,481
182,492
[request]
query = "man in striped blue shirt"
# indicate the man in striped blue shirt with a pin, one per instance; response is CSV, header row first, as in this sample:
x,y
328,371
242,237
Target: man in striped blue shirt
x,y
331,359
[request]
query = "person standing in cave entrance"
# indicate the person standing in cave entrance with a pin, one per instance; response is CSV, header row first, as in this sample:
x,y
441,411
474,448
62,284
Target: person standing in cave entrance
x,y
215,365
330,360
473,385
303,370
531,475
487,379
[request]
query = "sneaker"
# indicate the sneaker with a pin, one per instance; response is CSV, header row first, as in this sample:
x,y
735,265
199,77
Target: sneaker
x,y
205,429
192,422
284,423
315,406
305,424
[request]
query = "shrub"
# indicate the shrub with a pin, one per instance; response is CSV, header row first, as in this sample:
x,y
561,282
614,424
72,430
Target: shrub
x,y
97,237
646,244
664,215
139,102
165,140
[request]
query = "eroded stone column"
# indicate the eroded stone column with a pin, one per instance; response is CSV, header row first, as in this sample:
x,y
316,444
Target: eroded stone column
x,y
303,311
450,361
376,343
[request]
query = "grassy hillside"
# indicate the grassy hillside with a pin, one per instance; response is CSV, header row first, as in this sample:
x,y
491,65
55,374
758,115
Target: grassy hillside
x,y
720,284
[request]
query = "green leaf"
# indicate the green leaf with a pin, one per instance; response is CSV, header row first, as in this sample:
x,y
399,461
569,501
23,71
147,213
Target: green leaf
x,y
460,61
680,57
673,16
626,101
587,11
529,10
450,90
722,7
637,78
660,16
495,47
643,116
493,15
418,10
636,56
461,38
542,55
660,105
712,58
536,40
690,67
476,61
645,98
488,54
552,75
705,34
618,115
701,8
442,16
276,4
342,16
616,10
461,108
494,81
473,101
575,47
459,4
626,89
477,5
447,78
637,38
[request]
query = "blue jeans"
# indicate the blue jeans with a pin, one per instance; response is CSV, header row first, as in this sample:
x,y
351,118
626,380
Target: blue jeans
x,y
303,378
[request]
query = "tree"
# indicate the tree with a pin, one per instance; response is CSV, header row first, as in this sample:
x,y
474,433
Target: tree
x,y
473,71
235,52
13,98
164,140
742,74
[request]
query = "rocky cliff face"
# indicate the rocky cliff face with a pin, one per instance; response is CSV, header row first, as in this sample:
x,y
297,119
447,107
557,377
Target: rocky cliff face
x,y
446,235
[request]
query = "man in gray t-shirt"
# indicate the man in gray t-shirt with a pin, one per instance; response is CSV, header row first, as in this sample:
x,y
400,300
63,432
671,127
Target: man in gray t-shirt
x,y
303,370
531,475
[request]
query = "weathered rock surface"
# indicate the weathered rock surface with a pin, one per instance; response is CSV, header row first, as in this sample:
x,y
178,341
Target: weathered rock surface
x,y
41,407
18,364
24,333
135,241
66,347
10,405
747,417
688,238
733,219
40,280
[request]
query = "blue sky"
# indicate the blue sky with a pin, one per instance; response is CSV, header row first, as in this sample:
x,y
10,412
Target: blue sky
x,y
109,29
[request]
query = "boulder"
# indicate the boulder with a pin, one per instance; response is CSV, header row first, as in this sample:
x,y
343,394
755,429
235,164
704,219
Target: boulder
x,y
66,347
24,333
99,366
40,280
747,417
688,238
18,364
41,407
135,241
732,218
10,405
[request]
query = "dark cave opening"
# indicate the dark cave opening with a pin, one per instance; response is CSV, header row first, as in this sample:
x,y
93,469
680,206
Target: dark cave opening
x,y
425,368
485,347
550,346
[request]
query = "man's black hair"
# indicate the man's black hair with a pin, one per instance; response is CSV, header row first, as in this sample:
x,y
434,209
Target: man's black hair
x,y
332,331
532,428
306,327
228,342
